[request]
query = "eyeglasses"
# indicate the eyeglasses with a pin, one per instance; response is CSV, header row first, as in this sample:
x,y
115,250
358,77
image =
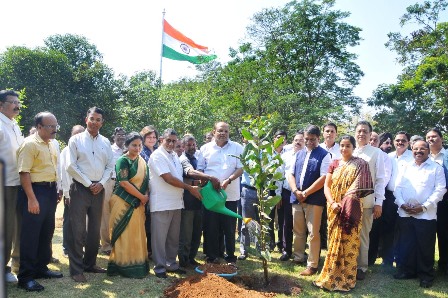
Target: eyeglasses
x,y
401,141
170,141
14,102
52,126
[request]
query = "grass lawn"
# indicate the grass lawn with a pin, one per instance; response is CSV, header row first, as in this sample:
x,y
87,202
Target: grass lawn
x,y
378,283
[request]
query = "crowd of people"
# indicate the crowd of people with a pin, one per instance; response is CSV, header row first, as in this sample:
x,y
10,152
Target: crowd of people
x,y
138,198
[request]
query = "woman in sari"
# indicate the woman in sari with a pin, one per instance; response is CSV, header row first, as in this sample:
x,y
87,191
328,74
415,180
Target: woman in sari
x,y
129,257
348,180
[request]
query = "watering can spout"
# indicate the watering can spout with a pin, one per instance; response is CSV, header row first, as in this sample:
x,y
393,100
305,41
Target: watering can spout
x,y
215,201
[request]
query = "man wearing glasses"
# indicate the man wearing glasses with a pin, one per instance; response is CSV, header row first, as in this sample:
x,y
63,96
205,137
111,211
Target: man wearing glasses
x,y
166,203
399,158
372,204
91,165
306,180
10,140
37,162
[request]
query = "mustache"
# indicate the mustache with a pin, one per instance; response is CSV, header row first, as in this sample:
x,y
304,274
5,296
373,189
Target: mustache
x,y
17,109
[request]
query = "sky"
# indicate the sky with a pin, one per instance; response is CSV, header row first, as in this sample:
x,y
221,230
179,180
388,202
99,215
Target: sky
x,y
128,33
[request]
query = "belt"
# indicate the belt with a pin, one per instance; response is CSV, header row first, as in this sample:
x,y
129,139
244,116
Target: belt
x,y
249,187
49,184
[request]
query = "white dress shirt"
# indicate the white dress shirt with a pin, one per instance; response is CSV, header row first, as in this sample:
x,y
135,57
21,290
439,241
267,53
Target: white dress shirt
x,y
66,179
387,167
334,151
163,195
91,158
10,140
374,158
117,153
398,164
438,158
289,159
420,185
219,162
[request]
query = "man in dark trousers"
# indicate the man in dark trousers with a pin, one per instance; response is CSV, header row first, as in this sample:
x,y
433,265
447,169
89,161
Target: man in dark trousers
x,y
37,164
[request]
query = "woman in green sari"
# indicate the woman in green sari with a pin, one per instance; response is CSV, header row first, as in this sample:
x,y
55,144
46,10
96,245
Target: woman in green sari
x,y
129,257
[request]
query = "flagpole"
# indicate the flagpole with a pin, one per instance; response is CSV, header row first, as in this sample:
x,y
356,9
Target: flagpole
x,y
161,50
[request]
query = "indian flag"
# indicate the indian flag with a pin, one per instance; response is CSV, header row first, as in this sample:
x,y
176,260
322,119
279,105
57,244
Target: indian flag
x,y
177,46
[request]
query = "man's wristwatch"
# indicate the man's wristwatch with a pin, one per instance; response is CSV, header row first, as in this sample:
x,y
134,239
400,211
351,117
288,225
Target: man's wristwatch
x,y
230,180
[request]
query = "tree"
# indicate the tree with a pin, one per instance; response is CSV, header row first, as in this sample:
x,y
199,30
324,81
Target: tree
x,y
295,65
66,78
260,162
305,47
421,93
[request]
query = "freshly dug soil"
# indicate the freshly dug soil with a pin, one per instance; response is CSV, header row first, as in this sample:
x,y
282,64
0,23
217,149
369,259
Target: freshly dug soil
x,y
217,268
280,284
210,285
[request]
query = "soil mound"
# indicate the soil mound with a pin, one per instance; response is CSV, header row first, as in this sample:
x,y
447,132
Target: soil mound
x,y
210,285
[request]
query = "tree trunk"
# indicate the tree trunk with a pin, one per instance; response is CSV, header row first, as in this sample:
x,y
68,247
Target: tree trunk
x,y
265,272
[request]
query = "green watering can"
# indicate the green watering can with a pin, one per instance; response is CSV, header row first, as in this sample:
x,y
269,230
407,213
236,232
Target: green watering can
x,y
215,201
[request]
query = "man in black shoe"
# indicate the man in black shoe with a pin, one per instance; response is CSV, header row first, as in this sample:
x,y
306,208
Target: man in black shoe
x,y
306,179
420,187
289,158
10,140
166,203
191,216
90,165
37,165
218,158
440,155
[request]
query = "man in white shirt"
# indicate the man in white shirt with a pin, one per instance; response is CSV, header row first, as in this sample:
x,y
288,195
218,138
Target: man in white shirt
x,y
306,180
166,203
119,137
330,133
289,159
399,159
420,187
439,155
217,158
372,204
384,143
10,140
66,180
90,165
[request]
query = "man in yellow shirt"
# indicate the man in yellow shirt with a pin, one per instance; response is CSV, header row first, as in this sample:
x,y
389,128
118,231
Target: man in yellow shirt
x,y
37,165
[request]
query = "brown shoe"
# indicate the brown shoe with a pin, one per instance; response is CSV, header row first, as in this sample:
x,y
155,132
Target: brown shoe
x,y
309,271
95,269
79,278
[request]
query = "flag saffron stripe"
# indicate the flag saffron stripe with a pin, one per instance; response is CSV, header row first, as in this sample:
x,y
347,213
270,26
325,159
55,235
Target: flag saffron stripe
x,y
168,29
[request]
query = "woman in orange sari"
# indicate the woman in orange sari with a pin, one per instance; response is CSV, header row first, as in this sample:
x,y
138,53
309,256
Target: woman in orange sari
x,y
348,180
129,257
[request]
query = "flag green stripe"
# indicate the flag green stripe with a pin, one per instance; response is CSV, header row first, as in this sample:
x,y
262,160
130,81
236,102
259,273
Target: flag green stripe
x,y
174,55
